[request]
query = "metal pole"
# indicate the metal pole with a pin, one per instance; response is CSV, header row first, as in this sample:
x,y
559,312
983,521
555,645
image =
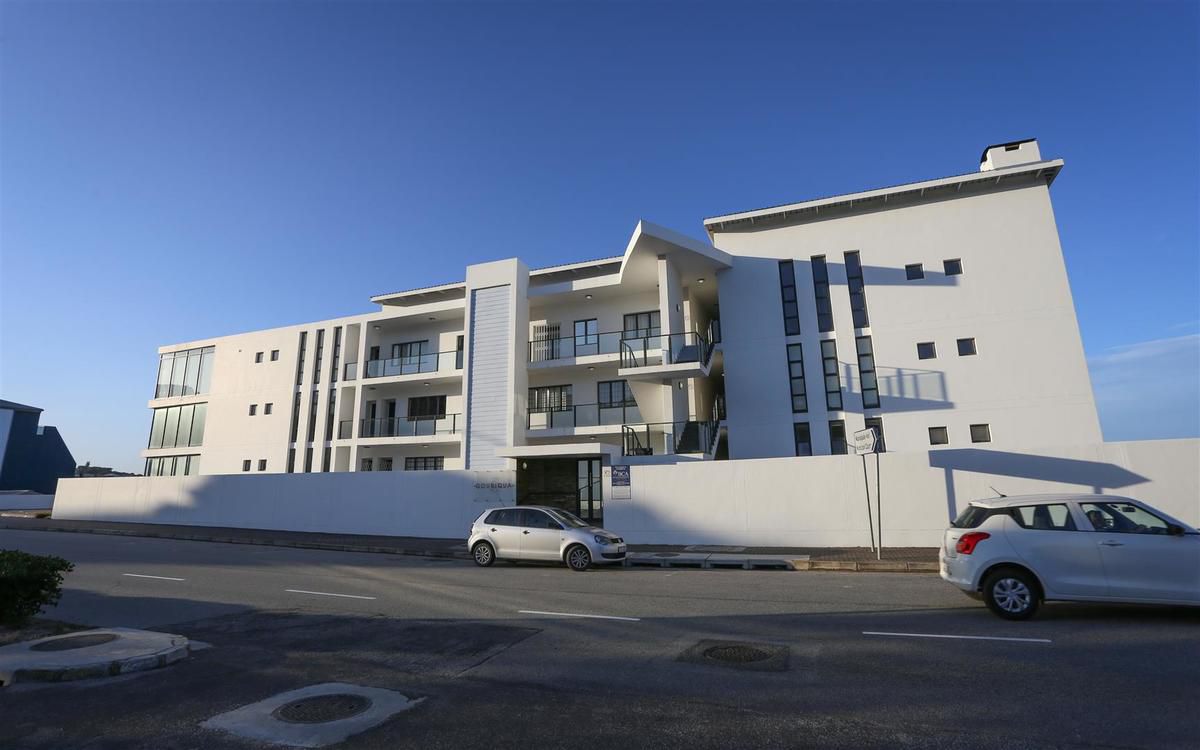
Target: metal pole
x,y
867,488
878,509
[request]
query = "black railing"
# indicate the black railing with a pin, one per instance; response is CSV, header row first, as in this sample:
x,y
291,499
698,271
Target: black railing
x,y
581,415
665,349
657,438
446,424
566,347
410,365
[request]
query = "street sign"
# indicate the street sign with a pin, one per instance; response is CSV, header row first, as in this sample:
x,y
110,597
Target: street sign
x,y
865,441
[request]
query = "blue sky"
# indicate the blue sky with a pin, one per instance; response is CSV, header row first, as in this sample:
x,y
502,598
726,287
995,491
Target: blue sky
x,y
177,170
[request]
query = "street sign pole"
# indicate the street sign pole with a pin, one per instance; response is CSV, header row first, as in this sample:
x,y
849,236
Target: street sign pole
x,y
867,489
865,442
878,508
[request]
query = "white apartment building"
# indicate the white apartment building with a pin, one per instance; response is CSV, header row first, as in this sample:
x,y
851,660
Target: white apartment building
x,y
938,312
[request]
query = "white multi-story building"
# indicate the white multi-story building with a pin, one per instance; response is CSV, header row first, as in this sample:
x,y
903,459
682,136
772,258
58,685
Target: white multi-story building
x,y
938,312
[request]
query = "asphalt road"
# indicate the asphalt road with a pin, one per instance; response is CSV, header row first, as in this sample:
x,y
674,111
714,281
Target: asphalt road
x,y
534,656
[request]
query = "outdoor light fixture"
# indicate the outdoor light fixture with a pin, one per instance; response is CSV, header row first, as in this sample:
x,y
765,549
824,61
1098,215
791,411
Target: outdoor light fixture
x,y
587,296
377,327
432,317
591,368
700,280
427,385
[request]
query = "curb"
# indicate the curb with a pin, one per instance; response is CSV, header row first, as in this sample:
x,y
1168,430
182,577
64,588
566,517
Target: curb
x,y
177,651
865,566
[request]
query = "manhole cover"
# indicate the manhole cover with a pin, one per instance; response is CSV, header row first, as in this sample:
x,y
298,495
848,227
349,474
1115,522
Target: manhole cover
x,y
74,641
322,708
738,654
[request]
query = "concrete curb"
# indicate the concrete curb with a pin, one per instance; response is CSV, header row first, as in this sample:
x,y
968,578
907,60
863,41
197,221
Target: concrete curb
x,y
94,664
866,566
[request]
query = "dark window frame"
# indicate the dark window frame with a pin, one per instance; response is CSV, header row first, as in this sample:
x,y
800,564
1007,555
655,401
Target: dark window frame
x,y
952,270
857,286
944,435
971,342
788,294
866,366
914,271
246,465
652,328
610,402
420,408
877,423
798,384
824,304
987,433
932,351
802,435
833,396
836,443
424,463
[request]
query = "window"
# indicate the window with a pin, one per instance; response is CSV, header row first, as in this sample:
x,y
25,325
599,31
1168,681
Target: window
x,y
411,355
641,325
385,463
1043,517
866,372
312,417
796,375
291,461
550,398
458,353
295,418
330,416
610,393
267,409
837,437
914,271
326,455
300,358
319,357
803,439
833,383
981,433
253,409
820,274
938,436
787,287
503,517
308,459
336,359
185,373
365,464
953,267
424,463
877,423
926,350
246,465
274,355
426,407
1123,518
587,337
258,358
858,293
536,519
178,426
966,347
262,464
173,466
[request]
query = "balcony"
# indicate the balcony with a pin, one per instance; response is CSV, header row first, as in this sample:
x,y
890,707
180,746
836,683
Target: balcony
x,y
667,438
669,355
432,362
582,415
559,350
403,427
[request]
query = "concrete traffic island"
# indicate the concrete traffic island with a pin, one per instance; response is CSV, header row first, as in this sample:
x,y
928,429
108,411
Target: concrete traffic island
x,y
86,654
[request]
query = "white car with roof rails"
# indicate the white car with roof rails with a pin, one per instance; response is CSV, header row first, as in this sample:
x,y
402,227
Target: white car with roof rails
x,y
1016,552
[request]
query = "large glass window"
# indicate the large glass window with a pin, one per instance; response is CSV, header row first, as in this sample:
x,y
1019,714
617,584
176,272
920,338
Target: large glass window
x,y
587,337
424,463
833,382
787,288
550,398
820,274
642,325
866,372
178,426
173,466
184,373
796,374
614,393
858,292
426,407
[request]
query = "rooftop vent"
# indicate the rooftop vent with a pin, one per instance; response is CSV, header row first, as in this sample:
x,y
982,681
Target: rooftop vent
x,y
1009,155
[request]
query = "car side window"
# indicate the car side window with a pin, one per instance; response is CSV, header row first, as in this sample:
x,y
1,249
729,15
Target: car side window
x,y
536,519
504,517
1054,517
1123,518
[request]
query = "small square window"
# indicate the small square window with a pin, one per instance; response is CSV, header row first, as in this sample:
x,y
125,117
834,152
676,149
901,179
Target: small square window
x,y
938,436
274,355
926,350
246,465
953,266
262,464
267,408
981,433
253,409
914,271
966,347
258,358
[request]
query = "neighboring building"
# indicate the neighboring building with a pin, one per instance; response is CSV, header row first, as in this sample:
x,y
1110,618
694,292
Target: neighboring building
x,y
938,312
31,457
87,470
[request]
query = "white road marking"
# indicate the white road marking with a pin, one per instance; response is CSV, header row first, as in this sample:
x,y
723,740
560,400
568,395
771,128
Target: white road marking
x,y
160,578
572,614
961,637
326,593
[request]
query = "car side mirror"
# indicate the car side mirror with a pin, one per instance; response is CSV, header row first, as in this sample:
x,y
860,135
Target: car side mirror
x,y
1174,530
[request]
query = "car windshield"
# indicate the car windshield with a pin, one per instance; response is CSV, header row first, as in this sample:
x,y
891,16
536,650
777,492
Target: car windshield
x,y
570,520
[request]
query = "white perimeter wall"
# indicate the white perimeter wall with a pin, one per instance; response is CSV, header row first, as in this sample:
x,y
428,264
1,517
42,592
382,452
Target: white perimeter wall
x,y
820,501
397,503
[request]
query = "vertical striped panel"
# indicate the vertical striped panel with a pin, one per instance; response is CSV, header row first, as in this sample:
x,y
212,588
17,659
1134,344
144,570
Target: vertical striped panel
x,y
488,410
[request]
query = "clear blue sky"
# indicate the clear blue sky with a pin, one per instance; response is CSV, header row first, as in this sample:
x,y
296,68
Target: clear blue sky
x,y
178,170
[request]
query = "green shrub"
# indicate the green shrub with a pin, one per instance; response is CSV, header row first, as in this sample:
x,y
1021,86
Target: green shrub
x,y
28,583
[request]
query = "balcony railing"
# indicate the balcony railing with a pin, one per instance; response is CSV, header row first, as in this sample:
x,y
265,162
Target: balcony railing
x,y
582,415
411,365
665,438
566,347
665,349
350,372
446,424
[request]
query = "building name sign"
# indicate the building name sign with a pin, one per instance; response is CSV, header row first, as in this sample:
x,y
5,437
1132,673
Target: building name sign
x,y
494,485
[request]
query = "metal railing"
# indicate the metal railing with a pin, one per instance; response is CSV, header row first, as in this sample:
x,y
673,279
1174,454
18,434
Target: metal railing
x,y
411,365
350,371
446,424
566,347
665,349
665,438
581,415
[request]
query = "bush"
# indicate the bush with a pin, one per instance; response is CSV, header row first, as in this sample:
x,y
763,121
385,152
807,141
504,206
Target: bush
x,y
28,583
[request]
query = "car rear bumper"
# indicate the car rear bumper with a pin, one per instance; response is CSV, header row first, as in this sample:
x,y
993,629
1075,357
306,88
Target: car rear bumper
x,y
957,571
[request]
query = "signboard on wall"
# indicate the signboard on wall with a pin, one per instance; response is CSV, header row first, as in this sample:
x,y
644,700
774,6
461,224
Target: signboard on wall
x,y
621,485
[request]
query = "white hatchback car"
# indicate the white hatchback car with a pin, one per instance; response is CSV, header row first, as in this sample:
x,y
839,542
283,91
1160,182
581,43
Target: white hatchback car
x,y
536,532
1016,552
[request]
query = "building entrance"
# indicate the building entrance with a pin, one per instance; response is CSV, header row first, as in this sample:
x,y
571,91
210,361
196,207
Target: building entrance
x,y
572,484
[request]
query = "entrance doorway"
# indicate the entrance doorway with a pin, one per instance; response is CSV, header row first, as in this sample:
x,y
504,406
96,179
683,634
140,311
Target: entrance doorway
x,y
572,484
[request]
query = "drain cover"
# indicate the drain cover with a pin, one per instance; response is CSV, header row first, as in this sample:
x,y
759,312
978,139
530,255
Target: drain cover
x,y
323,708
74,641
760,657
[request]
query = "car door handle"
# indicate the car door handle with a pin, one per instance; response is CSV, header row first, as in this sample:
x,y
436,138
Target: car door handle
x,y
1112,544
524,532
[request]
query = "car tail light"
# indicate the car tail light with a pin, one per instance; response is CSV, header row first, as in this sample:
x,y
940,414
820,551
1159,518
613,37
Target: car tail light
x,y
967,542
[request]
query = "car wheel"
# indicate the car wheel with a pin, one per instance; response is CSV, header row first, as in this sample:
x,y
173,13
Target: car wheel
x,y
484,554
1012,594
578,558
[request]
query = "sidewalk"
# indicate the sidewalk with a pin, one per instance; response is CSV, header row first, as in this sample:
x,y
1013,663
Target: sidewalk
x,y
862,559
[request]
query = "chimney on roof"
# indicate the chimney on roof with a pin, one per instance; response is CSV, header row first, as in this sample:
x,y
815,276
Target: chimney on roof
x,y
1009,154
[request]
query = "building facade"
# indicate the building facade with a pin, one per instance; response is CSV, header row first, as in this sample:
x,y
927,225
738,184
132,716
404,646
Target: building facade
x,y
33,457
938,312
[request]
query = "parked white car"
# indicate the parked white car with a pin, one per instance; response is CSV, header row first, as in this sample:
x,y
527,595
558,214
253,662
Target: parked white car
x,y
535,532
1015,552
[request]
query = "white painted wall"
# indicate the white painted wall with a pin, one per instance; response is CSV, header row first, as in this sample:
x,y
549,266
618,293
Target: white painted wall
x,y
820,501
419,503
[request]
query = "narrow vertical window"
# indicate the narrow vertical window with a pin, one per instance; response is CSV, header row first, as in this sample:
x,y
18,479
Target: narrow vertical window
x,y
877,423
803,439
820,273
866,373
319,355
262,464
325,458
312,417
458,353
295,418
833,382
291,461
837,437
329,416
300,358
796,375
787,287
246,465
336,359
258,358
308,459
858,292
